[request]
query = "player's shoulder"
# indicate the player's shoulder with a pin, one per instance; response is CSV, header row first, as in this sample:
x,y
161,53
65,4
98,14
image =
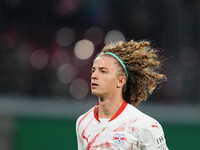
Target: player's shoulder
x,y
147,123
133,111
143,118
151,133
85,115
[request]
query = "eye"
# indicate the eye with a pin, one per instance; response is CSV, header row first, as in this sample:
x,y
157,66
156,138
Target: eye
x,y
102,71
92,71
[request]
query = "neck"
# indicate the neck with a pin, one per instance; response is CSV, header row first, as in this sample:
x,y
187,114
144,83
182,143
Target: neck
x,y
109,106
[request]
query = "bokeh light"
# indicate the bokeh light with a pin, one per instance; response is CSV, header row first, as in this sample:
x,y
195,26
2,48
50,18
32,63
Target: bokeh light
x,y
114,36
94,34
39,59
189,56
66,73
59,58
79,88
84,49
65,37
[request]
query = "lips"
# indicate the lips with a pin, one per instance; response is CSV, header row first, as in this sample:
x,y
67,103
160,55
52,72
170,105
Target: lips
x,y
93,85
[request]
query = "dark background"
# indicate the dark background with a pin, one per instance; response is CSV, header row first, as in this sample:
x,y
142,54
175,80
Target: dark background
x,y
30,25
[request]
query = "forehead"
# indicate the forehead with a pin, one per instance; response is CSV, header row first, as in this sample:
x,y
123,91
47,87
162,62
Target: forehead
x,y
104,61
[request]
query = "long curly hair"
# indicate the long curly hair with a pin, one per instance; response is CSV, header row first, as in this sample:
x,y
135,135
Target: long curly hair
x,y
143,66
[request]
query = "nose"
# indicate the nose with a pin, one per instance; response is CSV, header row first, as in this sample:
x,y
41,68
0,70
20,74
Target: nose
x,y
94,75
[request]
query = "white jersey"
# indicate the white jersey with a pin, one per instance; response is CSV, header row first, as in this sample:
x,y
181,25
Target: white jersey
x,y
128,129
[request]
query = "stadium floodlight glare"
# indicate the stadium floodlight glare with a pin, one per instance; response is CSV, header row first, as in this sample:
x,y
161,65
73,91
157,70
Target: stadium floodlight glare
x,y
79,88
114,36
65,37
84,49
94,34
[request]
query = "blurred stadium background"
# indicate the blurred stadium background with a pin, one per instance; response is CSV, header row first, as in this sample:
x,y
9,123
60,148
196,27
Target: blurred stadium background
x,y
46,52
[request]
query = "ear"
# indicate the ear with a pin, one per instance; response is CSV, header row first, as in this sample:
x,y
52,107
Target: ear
x,y
121,81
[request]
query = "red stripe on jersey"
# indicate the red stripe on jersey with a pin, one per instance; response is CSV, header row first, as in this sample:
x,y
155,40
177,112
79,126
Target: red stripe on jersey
x,y
95,113
131,146
108,144
103,146
83,133
120,128
94,139
122,107
83,119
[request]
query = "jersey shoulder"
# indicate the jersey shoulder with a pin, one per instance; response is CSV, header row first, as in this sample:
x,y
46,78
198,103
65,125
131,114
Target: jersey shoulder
x,y
134,112
146,121
151,136
150,132
84,116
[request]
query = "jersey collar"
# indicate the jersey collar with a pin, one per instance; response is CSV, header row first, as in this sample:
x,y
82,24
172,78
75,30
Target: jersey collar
x,y
122,107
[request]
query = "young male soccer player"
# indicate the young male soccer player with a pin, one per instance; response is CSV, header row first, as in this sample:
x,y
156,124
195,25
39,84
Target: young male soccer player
x,y
123,75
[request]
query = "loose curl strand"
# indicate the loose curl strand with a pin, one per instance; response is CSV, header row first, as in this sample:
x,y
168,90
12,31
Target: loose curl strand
x,y
143,65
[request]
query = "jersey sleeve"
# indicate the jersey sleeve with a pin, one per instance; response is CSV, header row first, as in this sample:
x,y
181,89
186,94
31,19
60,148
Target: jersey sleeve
x,y
151,136
79,144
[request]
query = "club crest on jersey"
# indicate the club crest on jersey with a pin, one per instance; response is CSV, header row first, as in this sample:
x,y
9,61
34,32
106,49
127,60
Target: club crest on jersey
x,y
119,139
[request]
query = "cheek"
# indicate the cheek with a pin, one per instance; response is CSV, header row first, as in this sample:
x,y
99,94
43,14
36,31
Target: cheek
x,y
111,82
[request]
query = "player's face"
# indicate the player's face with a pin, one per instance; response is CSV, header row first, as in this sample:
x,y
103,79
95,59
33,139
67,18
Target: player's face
x,y
104,78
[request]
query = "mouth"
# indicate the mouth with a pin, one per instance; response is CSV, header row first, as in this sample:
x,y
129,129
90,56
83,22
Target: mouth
x,y
94,85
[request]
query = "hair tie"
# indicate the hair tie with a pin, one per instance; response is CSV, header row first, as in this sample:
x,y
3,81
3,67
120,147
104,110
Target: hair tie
x,y
109,53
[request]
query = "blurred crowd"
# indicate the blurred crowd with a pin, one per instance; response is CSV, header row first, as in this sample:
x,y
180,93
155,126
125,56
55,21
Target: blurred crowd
x,y
47,47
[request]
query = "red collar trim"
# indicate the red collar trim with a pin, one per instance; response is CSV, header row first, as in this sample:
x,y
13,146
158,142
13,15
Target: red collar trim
x,y
122,107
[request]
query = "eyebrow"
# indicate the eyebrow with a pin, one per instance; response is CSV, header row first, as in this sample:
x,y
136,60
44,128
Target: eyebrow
x,y
101,68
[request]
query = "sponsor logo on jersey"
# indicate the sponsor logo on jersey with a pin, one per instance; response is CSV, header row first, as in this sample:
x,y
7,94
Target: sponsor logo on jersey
x,y
119,139
160,140
155,125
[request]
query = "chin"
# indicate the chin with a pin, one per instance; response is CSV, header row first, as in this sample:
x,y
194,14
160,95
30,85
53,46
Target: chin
x,y
96,93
